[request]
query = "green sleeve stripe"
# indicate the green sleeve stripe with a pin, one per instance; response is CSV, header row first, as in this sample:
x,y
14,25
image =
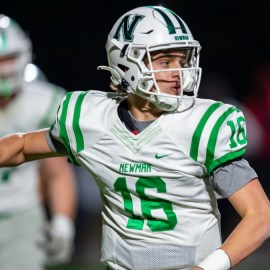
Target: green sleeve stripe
x,y
225,158
62,125
214,135
76,123
49,116
194,149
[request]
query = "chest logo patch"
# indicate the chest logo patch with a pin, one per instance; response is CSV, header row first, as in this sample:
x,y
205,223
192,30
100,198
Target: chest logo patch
x,y
158,156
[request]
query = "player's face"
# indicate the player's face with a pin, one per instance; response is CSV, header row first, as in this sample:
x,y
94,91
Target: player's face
x,y
168,81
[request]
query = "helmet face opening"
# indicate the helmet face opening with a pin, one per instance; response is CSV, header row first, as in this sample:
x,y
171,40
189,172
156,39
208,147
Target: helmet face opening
x,y
132,43
15,54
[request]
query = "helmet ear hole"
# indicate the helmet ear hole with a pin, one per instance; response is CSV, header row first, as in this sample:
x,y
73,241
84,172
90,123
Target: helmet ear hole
x,y
135,53
123,68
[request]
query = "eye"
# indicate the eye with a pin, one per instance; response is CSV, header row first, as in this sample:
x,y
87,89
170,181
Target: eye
x,y
164,63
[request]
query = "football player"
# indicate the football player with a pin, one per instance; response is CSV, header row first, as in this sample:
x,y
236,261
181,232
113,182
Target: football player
x,y
159,154
29,102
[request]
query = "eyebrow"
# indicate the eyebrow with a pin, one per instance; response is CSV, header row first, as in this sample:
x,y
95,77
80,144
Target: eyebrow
x,y
162,54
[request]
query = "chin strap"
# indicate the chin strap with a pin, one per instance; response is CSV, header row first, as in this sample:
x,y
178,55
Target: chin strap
x,y
118,79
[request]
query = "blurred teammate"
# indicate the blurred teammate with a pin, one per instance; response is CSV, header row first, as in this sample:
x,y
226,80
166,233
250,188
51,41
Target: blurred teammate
x,y
29,102
158,153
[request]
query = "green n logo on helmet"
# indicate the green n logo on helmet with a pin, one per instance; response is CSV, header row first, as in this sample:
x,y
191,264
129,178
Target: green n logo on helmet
x,y
127,29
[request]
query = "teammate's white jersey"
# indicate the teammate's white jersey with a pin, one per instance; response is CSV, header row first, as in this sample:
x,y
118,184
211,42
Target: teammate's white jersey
x,y
33,108
159,207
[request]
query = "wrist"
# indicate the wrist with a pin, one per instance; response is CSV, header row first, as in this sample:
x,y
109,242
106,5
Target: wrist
x,y
62,226
218,260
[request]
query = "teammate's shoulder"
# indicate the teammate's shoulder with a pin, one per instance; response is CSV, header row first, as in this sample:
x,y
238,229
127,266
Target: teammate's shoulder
x,y
38,87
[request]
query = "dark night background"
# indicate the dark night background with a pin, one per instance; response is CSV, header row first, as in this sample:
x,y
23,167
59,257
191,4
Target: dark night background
x,y
69,43
69,38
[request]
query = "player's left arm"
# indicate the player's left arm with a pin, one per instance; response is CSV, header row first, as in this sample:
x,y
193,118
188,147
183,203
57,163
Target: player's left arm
x,y
250,200
253,206
252,231
234,181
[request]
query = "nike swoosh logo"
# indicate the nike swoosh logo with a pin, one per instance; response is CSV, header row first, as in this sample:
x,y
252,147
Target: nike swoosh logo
x,y
162,156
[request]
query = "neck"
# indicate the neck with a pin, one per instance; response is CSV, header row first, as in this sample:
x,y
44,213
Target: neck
x,y
142,109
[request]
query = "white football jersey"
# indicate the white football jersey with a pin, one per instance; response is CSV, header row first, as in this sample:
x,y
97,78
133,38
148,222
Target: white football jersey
x,y
160,211
33,108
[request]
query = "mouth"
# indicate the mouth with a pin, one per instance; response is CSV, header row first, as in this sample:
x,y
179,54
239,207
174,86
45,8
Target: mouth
x,y
171,88
176,89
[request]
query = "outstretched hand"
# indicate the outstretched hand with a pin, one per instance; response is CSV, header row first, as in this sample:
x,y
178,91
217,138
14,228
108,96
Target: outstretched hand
x,y
59,247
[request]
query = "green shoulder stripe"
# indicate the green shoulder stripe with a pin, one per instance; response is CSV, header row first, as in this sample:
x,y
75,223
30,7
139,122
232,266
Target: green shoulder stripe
x,y
76,123
194,149
225,158
213,137
62,125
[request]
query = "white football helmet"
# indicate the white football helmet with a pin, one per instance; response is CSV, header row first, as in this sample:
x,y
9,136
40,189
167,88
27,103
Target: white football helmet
x,y
135,36
17,48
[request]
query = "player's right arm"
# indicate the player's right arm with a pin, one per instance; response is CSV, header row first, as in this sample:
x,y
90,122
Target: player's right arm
x,y
18,148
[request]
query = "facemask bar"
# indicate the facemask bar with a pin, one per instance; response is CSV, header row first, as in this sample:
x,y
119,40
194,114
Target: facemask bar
x,y
189,81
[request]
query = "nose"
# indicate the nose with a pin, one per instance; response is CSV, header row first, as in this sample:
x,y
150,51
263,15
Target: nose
x,y
176,73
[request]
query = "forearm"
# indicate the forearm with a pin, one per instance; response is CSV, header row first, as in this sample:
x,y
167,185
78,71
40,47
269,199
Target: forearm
x,y
18,148
247,237
253,206
11,150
